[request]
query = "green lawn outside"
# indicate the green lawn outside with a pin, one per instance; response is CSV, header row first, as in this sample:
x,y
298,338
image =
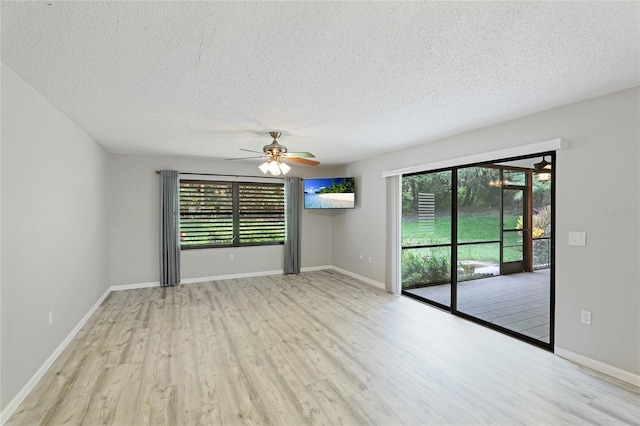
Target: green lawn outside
x,y
472,227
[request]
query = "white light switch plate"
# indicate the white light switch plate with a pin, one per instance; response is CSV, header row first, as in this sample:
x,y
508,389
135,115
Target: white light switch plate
x,y
577,238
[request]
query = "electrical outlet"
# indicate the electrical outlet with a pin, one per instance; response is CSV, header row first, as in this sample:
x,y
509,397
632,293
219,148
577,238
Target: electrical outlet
x,y
50,317
231,257
370,260
585,317
360,259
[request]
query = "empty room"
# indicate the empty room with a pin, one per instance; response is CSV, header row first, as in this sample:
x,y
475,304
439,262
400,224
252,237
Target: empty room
x,y
297,213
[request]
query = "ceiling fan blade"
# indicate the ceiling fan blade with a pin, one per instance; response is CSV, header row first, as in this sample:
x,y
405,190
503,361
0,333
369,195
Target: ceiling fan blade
x,y
302,161
249,150
243,158
300,155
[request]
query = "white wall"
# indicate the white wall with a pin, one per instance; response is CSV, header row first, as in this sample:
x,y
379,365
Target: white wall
x,y
134,224
598,175
362,231
54,229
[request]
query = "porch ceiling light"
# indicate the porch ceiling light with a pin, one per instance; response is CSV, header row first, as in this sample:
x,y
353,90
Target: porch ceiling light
x,y
542,171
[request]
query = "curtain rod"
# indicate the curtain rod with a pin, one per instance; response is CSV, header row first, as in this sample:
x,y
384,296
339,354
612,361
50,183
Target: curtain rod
x,y
218,174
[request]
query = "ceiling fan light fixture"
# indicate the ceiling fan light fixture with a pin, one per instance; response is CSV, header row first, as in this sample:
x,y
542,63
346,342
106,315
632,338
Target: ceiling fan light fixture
x,y
274,169
285,168
264,167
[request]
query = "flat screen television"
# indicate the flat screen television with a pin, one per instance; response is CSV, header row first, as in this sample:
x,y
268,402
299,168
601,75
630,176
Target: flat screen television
x,y
330,193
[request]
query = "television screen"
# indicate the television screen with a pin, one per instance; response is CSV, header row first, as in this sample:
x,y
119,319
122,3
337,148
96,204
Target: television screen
x,y
330,193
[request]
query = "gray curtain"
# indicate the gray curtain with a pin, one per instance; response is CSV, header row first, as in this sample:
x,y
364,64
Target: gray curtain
x,y
169,228
292,190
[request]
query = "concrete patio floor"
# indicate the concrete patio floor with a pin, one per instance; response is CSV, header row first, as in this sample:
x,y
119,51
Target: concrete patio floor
x,y
518,302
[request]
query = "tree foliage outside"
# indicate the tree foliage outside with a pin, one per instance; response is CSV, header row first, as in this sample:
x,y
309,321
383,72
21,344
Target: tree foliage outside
x,y
438,184
477,189
541,191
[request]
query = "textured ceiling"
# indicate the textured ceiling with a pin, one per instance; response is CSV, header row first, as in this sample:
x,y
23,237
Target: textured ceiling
x,y
343,80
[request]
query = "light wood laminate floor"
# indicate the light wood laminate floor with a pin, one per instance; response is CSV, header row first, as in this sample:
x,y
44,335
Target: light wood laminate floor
x,y
316,348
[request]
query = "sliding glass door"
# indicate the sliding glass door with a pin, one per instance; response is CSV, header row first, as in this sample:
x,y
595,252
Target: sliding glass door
x,y
477,241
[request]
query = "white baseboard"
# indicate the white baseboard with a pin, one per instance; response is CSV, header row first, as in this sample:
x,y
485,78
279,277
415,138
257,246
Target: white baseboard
x,y
17,400
230,276
135,286
247,275
359,277
316,268
196,280
279,272
601,367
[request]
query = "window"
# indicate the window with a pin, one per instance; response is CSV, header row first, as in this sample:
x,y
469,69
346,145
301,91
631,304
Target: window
x,y
222,214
